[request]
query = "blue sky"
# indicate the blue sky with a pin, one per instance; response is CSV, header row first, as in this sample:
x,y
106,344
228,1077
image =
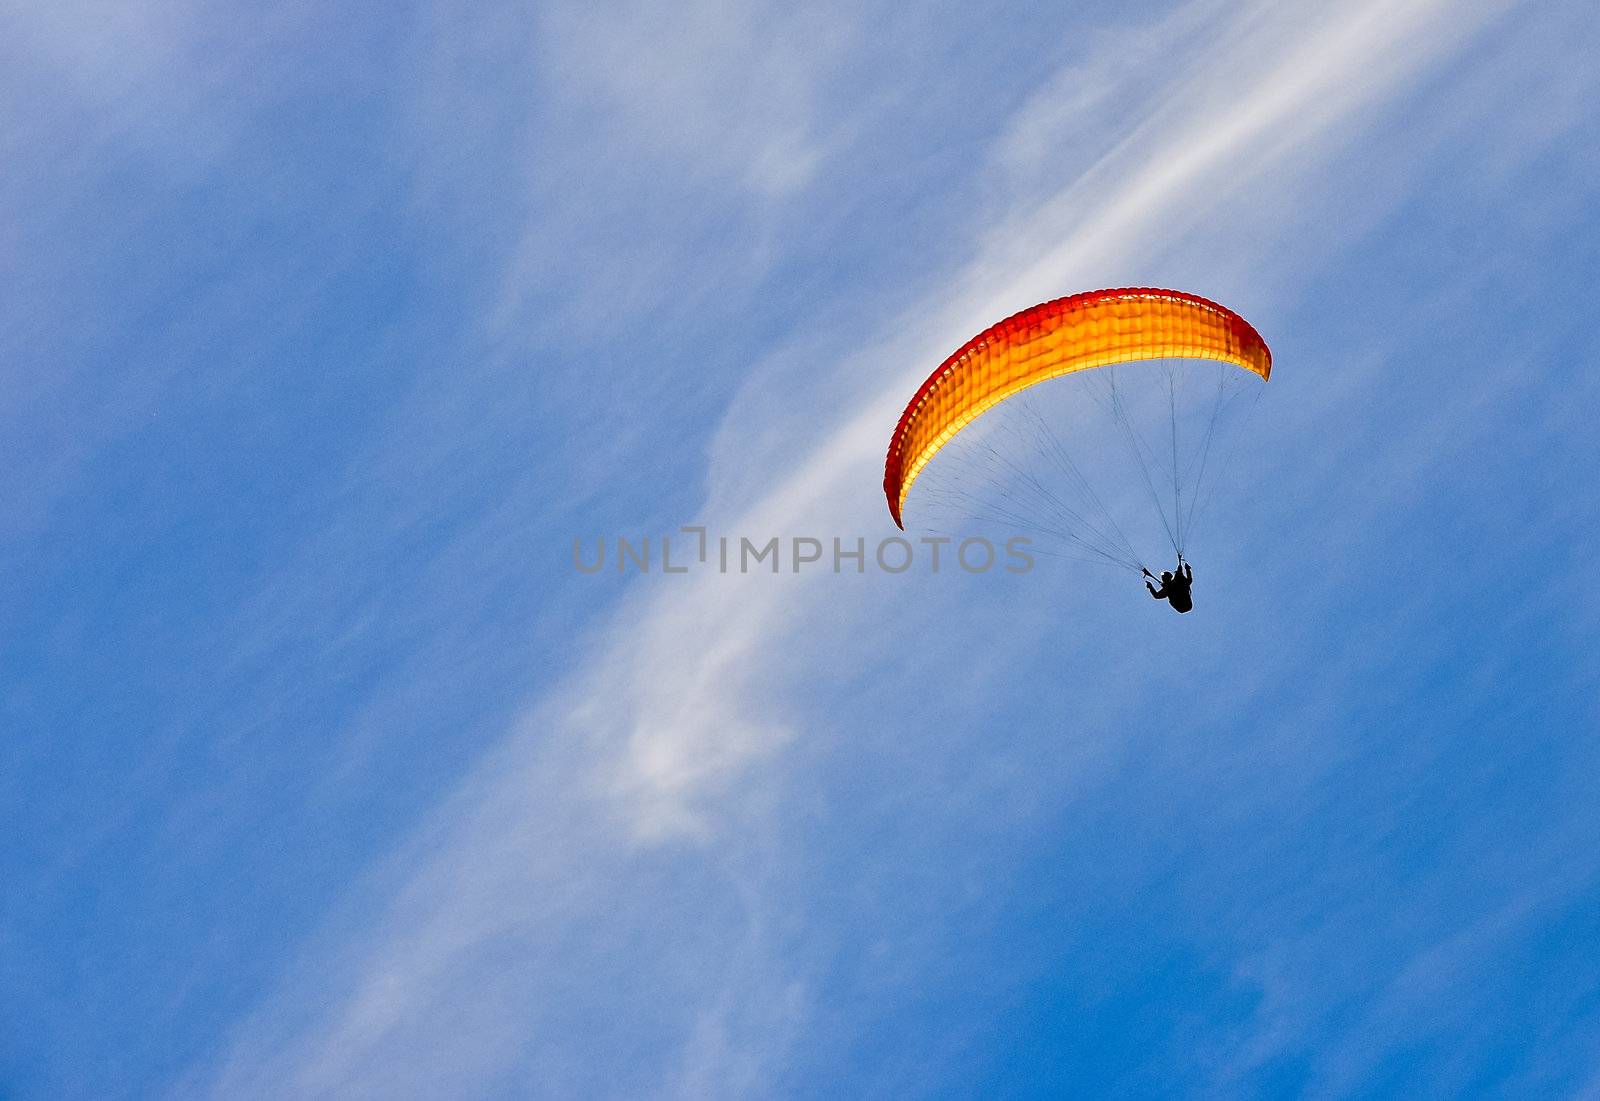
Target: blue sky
x,y
323,773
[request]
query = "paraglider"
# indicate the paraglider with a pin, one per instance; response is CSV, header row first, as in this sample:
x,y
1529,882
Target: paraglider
x,y
1175,585
1091,332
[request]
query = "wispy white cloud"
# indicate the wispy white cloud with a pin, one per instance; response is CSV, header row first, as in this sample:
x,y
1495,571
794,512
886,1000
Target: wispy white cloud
x,y
656,747
1181,166
725,88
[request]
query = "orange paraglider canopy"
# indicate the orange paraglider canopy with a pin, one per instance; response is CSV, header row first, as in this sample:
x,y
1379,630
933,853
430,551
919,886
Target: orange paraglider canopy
x,y
1076,333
